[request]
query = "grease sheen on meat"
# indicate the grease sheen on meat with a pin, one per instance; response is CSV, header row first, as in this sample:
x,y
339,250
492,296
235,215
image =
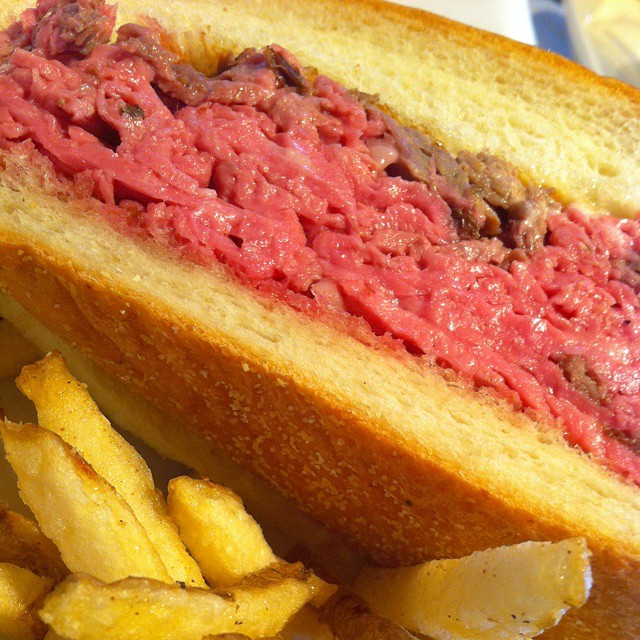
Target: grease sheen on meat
x,y
311,192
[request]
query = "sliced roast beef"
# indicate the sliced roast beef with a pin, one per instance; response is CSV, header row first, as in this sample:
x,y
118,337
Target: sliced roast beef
x,y
60,28
420,158
485,193
179,80
289,73
577,371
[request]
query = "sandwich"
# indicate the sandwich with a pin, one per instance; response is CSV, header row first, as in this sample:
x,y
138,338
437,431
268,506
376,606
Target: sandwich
x,y
387,263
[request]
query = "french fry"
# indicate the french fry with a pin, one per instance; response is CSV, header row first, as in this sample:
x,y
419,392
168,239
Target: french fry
x,y
65,407
21,593
225,540
94,496
23,544
82,608
305,625
15,351
349,618
92,526
500,594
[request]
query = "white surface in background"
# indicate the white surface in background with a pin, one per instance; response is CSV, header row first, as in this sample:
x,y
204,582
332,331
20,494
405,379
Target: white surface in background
x,y
510,18
606,36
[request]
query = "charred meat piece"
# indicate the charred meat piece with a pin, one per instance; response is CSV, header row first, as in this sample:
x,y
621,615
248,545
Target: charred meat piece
x,y
526,221
495,181
577,371
83,26
180,81
68,28
485,194
288,74
422,159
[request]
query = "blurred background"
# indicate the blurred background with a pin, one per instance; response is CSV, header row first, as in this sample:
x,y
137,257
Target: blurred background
x,y
603,35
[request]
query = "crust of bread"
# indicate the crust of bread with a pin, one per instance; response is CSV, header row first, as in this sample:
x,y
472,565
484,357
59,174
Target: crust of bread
x,y
290,533
405,465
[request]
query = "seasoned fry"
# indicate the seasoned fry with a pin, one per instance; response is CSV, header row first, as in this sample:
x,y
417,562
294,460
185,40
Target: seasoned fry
x,y
21,593
82,608
65,407
94,528
15,351
22,543
499,594
305,625
224,539
349,617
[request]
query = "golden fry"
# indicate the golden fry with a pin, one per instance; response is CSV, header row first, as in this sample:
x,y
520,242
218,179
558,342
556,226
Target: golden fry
x,y
21,593
65,407
224,539
82,608
23,544
94,528
500,594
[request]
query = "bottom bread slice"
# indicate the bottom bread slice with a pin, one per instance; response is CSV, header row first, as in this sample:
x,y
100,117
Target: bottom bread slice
x,y
405,465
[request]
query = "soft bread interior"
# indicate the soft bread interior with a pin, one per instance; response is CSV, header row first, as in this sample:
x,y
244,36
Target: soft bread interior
x,y
562,125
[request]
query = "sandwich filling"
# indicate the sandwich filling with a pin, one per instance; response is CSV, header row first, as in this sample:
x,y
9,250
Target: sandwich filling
x,y
313,193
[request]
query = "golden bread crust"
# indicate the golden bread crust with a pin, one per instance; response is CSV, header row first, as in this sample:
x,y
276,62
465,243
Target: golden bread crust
x,y
385,453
